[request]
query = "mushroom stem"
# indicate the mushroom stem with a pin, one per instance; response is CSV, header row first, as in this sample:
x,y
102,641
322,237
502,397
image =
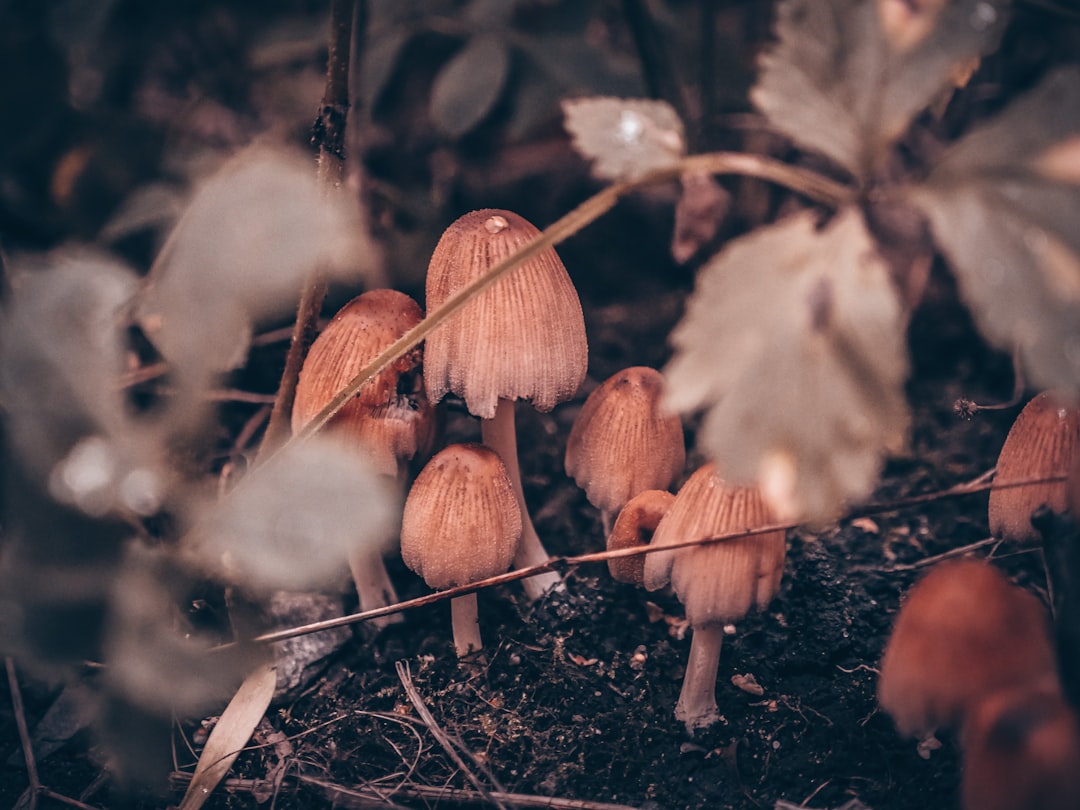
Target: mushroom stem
x,y
498,433
463,614
697,702
607,522
373,584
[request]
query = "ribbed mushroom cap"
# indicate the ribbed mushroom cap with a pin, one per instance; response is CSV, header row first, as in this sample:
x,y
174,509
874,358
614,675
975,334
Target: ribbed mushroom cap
x,y
633,528
719,582
622,443
1041,443
963,632
1022,750
461,520
522,338
390,417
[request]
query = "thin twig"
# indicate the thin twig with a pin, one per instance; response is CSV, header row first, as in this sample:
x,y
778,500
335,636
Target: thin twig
x,y
59,797
450,747
24,732
959,551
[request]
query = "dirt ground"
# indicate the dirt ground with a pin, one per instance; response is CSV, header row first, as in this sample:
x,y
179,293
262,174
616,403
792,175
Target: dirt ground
x,y
573,707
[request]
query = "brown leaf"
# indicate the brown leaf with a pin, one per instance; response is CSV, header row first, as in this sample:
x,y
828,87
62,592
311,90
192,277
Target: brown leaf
x,y
702,206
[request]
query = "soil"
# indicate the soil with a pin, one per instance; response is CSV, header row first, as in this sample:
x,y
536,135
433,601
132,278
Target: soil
x,y
574,698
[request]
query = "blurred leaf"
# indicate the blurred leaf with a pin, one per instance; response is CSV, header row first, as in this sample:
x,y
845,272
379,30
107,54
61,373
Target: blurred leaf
x,y
578,69
489,15
702,206
625,138
230,735
794,345
1004,206
152,206
290,525
379,60
469,84
847,77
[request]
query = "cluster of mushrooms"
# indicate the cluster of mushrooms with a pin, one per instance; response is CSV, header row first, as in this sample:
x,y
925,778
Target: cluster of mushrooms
x,y
465,517
973,653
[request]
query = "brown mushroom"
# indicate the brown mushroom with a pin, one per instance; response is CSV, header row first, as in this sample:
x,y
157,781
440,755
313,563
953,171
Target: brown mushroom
x,y
461,524
622,443
1021,751
634,527
389,421
522,338
963,632
717,583
1041,444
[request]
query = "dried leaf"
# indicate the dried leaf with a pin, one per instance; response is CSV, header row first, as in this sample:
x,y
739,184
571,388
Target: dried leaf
x,y
468,85
847,76
794,345
1003,206
625,138
230,735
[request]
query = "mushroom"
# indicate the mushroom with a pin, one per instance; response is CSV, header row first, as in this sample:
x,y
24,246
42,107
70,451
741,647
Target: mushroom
x,y
1041,444
389,421
717,583
522,338
963,632
1022,750
461,524
634,527
622,443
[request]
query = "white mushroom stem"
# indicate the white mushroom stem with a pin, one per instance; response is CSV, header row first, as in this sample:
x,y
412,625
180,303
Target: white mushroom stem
x,y
499,434
373,584
466,625
607,521
697,702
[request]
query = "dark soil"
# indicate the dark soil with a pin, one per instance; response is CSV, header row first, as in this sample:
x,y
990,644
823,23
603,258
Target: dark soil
x,y
575,698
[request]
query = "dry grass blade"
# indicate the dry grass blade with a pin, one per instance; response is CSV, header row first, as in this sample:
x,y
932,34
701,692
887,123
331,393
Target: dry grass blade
x,y
230,735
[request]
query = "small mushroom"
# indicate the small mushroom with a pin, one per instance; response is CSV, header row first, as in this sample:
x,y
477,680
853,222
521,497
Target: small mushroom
x,y
522,338
1041,444
963,632
1022,750
461,524
634,527
389,421
717,583
623,443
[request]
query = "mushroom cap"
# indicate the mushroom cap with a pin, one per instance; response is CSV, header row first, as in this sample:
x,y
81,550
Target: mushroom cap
x,y
634,527
964,631
1041,443
622,443
392,425
719,582
461,521
1022,749
522,338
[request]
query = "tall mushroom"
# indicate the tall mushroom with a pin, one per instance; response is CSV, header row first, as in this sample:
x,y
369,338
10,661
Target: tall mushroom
x,y
1041,444
461,524
522,338
717,583
389,421
622,443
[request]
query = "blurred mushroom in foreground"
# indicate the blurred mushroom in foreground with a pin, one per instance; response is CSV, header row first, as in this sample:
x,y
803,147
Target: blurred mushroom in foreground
x,y
461,524
718,583
1041,445
522,338
622,443
389,421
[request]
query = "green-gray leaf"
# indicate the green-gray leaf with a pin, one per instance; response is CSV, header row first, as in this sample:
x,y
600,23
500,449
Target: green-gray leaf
x,y
793,345
468,85
847,76
1004,206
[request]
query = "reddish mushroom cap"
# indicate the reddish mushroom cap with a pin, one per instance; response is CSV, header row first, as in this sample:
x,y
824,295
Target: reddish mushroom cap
x,y
963,632
622,443
522,338
634,527
390,424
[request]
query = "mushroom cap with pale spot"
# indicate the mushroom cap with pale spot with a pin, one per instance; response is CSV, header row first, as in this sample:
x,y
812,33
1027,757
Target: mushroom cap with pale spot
x,y
622,443
461,522
522,338
719,582
389,424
